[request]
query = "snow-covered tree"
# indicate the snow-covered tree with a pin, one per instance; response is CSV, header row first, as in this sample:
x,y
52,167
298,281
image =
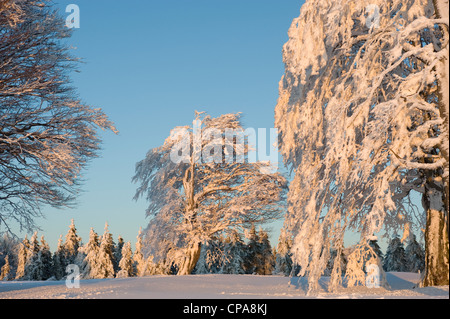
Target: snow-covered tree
x,y
72,244
250,260
47,135
264,255
90,267
33,265
211,258
395,259
9,247
126,264
5,270
105,267
22,258
283,256
59,261
376,248
117,253
138,257
415,256
233,254
45,257
363,121
201,184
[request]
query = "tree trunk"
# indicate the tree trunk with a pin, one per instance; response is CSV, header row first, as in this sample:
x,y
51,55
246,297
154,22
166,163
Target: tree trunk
x,y
191,259
436,196
436,235
442,12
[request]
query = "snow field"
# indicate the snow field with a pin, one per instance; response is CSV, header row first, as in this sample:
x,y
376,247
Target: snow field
x,y
215,287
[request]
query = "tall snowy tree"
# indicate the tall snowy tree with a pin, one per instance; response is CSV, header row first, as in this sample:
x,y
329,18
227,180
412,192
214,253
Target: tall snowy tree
x,y
138,257
233,255
59,261
395,259
90,266
22,258
126,264
117,253
72,244
415,256
265,257
9,248
33,266
376,248
45,257
105,267
250,258
201,183
47,136
5,270
212,257
363,121
283,257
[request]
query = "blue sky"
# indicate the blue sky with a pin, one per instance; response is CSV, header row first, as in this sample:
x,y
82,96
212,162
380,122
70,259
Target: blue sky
x,y
149,65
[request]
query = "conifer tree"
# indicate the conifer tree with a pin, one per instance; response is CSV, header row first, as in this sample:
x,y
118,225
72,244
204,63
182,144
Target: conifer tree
x,y
415,256
138,256
153,268
117,253
72,243
90,263
376,248
33,263
9,247
45,257
22,259
105,255
250,262
233,254
395,259
265,257
126,264
58,261
5,270
283,260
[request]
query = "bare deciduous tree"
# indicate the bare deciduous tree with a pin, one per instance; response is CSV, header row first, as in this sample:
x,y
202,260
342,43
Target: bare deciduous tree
x,y
47,135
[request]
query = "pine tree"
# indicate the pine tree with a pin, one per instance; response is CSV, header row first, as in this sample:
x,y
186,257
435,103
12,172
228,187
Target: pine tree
x,y
376,248
395,259
58,261
250,262
33,265
415,256
89,267
138,257
71,245
265,258
45,257
154,268
234,251
22,259
105,255
283,260
9,247
5,270
126,264
117,253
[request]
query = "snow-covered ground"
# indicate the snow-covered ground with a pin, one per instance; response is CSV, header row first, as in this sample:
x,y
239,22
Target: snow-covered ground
x,y
212,287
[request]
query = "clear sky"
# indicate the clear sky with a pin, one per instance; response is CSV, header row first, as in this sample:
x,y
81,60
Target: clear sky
x,y
149,65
